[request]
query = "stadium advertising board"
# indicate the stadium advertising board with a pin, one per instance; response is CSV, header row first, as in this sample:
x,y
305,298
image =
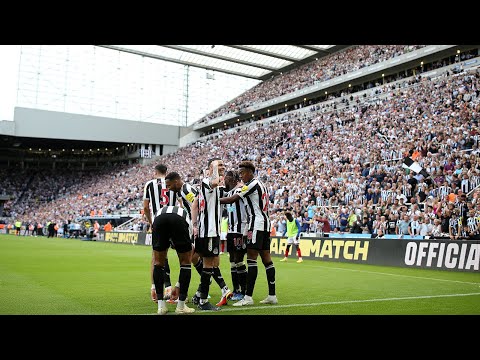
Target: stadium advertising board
x,y
122,237
429,254
127,237
148,239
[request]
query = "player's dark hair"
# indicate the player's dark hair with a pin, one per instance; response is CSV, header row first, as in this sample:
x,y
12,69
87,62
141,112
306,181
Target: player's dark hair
x,y
247,165
233,174
289,215
172,176
162,169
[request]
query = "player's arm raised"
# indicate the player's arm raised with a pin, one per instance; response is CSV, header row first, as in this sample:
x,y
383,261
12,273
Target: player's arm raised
x,y
215,178
195,216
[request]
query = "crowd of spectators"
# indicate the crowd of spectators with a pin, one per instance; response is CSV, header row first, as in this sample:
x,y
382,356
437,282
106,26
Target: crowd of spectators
x,y
337,64
66,195
336,169
350,161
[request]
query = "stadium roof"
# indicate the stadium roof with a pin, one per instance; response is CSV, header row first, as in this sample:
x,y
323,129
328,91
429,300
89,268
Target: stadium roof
x,y
253,61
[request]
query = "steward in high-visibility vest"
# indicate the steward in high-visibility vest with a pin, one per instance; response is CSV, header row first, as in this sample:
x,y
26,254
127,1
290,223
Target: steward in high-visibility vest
x,y
293,235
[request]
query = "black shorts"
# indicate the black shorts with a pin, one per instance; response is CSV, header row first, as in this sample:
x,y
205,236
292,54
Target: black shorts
x,y
171,230
237,242
208,247
258,240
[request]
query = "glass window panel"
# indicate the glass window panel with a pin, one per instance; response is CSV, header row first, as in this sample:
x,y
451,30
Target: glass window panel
x,y
198,60
295,52
97,81
233,54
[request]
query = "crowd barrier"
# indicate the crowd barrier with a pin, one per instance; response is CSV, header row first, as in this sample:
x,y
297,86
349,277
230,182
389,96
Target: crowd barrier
x,y
438,254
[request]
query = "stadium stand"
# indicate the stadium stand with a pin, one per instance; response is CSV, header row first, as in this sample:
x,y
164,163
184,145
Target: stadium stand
x,y
340,160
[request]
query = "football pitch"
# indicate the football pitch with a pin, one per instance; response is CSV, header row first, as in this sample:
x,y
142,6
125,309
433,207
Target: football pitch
x,y
40,276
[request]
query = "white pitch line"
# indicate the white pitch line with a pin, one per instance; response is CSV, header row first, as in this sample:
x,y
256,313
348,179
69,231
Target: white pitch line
x,y
249,307
346,302
400,275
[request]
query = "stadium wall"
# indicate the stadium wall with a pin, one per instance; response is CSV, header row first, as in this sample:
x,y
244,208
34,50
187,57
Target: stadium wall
x,y
59,125
7,127
460,255
188,136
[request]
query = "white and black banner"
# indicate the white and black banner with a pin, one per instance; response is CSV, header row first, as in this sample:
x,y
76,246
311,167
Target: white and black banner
x,y
408,163
146,153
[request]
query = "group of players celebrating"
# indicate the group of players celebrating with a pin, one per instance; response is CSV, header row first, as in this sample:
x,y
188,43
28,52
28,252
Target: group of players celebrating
x,y
188,220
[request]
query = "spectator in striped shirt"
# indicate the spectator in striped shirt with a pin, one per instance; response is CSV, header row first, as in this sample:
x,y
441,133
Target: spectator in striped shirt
x,y
473,223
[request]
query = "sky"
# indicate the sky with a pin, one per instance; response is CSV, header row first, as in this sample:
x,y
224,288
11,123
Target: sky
x,y
10,57
91,80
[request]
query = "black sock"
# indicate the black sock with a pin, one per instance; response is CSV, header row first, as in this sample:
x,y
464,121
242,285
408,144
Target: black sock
x,y
205,283
270,270
217,276
199,267
167,274
184,280
251,276
233,272
242,277
158,279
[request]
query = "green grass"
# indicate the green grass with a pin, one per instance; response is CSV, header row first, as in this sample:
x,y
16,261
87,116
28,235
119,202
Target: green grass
x,y
68,276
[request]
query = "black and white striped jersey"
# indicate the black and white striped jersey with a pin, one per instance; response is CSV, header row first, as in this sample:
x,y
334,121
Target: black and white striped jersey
x,y
188,193
157,193
465,185
407,190
415,226
255,196
444,190
178,211
473,224
453,225
209,209
462,208
237,214
385,194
